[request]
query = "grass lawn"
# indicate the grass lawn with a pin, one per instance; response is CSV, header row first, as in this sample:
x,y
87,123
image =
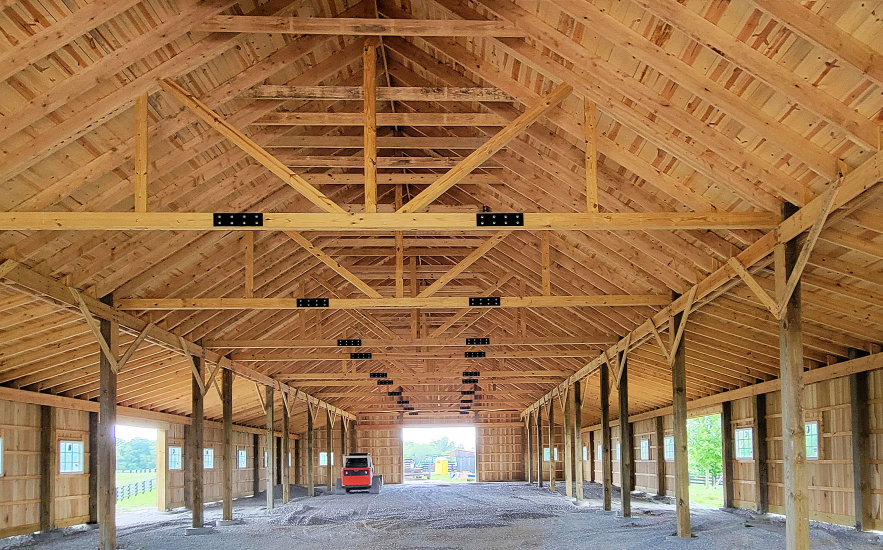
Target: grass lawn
x,y
712,497
132,504
125,479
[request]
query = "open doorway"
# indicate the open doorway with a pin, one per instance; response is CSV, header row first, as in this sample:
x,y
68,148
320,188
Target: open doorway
x,y
439,454
705,459
136,469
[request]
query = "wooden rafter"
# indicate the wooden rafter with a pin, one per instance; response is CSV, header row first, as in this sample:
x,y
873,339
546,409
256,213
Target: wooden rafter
x,y
141,153
463,265
250,147
491,146
590,129
369,79
455,318
248,245
333,264
383,93
358,27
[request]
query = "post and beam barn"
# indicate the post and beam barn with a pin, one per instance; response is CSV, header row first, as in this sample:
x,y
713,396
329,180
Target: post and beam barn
x,y
287,227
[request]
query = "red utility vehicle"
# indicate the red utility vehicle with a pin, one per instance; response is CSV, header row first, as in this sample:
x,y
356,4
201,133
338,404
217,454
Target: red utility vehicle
x,y
358,475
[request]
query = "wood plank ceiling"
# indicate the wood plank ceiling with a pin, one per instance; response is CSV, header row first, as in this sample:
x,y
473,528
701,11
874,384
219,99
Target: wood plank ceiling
x,y
702,106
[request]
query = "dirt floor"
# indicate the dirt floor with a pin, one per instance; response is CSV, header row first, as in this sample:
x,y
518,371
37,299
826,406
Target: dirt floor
x,y
433,515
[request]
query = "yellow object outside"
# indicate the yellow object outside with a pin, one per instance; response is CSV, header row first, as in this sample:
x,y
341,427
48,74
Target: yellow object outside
x,y
441,466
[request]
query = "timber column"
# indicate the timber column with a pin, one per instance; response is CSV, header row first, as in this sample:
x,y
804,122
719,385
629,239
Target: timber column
x,y
625,438
329,453
286,453
568,445
578,463
528,451
107,419
227,449
540,446
679,408
271,450
861,445
551,445
606,458
197,436
311,452
791,373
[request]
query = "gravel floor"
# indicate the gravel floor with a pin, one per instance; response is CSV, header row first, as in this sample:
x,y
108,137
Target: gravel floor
x,y
439,515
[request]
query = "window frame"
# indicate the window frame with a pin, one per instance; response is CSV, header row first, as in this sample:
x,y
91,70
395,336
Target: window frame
x,y
668,451
617,452
585,453
208,458
81,452
645,448
242,459
737,454
547,454
180,457
599,452
818,438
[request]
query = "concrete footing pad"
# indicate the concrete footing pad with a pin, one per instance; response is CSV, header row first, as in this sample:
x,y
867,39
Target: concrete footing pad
x,y
228,522
582,503
205,530
47,536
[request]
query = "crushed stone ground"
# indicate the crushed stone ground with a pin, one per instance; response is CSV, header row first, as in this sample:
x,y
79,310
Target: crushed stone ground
x,y
432,515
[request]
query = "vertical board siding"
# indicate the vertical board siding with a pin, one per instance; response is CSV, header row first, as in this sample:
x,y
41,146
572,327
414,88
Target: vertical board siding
x,y
20,484
72,490
385,445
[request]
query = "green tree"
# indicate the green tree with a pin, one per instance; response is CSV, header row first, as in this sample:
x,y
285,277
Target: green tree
x,y
136,454
704,445
419,451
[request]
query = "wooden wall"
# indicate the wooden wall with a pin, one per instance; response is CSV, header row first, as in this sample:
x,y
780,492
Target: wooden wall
x,y
320,473
384,443
499,447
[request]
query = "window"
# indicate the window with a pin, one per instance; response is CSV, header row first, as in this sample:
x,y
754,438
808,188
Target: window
x,y
616,457
265,459
669,443
323,459
585,453
645,449
242,457
546,455
812,440
70,457
289,460
556,454
744,444
174,458
599,452
208,459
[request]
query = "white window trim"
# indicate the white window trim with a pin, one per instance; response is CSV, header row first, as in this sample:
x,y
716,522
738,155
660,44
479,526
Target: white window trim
x,y
242,464
180,454
665,454
736,433
82,459
210,451
818,440
645,444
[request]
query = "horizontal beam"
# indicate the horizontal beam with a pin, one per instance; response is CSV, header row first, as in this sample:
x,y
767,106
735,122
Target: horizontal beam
x,y
357,93
376,356
395,179
331,161
187,221
424,376
383,142
301,118
356,26
405,342
432,302
420,381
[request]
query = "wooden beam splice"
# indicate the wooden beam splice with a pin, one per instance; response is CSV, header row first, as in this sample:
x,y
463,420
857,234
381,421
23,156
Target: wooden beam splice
x,y
384,222
333,264
141,153
346,26
749,280
440,302
463,264
254,150
808,245
7,266
591,156
491,146
691,296
369,80
194,371
96,330
458,316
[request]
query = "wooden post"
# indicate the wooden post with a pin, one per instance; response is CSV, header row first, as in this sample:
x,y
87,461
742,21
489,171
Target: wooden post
x,y
606,458
227,448
354,437
679,408
660,455
793,425
93,469
591,454
552,446
107,448
197,437
141,153
861,445
627,444
578,462
528,450
48,467
727,452
329,452
186,451
286,455
759,442
311,453
271,448
162,470
568,446
344,426
540,456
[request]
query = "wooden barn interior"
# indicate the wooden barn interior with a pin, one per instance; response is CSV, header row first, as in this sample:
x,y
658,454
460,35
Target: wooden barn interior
x,y
286,227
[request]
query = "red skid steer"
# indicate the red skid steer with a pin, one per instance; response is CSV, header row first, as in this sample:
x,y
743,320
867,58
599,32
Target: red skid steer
x,y
358,475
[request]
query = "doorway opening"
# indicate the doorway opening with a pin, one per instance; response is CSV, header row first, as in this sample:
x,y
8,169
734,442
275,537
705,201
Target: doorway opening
x,y
136,478
439,454
705,460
